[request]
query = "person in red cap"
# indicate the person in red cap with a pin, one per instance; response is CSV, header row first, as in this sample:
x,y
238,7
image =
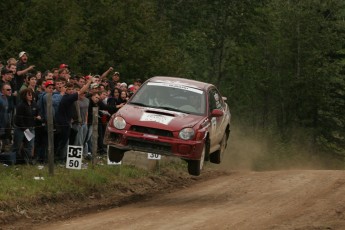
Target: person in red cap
x,y
41,142
63,66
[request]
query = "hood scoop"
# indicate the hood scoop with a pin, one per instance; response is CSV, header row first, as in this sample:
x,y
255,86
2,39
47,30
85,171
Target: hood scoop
x,y
160,113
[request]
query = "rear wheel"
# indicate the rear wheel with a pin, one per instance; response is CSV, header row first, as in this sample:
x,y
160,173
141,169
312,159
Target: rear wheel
x,y
195,166
115,154
217,156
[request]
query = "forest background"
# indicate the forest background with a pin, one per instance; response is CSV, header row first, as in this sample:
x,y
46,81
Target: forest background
x,y
280,63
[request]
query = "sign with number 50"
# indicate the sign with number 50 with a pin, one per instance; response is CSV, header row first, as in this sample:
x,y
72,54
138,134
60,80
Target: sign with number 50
x,y
153,156
74,157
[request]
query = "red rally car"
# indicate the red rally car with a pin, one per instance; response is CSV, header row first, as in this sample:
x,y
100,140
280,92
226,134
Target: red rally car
x,y
175,117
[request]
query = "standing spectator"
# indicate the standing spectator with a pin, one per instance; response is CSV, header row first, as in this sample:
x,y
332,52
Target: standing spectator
x,y
115,80
41,142
5,93
96,79
82,132
63,118
42,99
64,72
81,81
59,91
38,75
12,61
24,121
13,68
63,66
133,90
7,77
105,83
138,82
94,99
103,118
23,68
114,102
30,82
48,76
124,96
55,72
123,87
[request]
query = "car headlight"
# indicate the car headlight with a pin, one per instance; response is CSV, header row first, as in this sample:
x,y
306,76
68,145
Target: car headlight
x,y
119,123
187,134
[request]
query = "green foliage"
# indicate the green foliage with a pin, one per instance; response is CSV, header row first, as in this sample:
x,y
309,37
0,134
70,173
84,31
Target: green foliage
x,y
279,63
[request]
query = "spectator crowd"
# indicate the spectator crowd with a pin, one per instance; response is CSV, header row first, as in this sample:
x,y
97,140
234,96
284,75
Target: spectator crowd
x,y
23,108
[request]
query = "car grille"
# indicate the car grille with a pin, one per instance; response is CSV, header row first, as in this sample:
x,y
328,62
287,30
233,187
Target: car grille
x,y
149,146
152,131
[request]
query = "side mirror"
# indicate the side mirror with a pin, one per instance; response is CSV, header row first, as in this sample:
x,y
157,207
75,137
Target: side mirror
x,y
217,113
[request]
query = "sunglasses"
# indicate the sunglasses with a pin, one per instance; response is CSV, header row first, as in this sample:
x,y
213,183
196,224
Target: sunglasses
x,y
8,89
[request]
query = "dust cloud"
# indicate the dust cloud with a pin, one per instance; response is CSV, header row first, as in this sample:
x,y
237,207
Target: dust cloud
x,y
252,153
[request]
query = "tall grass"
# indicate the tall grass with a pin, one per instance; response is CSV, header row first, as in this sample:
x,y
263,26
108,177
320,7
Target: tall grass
x,y
19,183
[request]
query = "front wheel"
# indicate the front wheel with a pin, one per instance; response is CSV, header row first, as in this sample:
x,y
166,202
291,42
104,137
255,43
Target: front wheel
x,y
195,166
217,156
115,154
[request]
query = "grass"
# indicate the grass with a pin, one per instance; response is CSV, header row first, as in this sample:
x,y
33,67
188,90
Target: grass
x,y
18,183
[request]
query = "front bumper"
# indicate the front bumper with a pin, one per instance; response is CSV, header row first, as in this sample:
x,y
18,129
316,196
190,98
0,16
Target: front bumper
x,y
138,141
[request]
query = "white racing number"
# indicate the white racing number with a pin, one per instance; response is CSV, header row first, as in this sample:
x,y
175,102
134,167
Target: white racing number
x,y
74,157
153,156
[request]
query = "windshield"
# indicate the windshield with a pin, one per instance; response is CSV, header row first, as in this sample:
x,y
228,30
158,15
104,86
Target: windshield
x,y
171,97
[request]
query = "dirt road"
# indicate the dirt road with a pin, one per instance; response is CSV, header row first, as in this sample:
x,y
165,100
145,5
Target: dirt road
x,y
308,199
226,196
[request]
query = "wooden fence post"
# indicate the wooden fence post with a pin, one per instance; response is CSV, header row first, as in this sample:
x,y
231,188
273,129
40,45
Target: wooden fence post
x,y
94,134
50,129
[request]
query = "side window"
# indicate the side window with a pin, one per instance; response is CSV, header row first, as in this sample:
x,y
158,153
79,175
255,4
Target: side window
x,y
212,101
215,100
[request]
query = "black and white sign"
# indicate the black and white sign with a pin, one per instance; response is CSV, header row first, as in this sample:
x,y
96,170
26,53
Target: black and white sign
x,y
74,157
153,156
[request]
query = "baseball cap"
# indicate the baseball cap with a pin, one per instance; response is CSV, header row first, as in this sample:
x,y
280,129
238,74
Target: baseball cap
x,y
63,66
48,83
117,73
94,86
22,53
4,71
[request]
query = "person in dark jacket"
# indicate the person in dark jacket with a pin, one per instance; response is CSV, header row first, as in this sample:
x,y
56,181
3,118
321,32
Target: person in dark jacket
x,y
24,125
64,117
115,102
4,94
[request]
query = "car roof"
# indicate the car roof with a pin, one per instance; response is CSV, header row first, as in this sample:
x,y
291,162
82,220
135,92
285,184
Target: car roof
x,y
181,81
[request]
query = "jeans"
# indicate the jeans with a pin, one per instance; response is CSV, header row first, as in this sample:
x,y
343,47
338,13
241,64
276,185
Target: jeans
x,y
19,138
88,140
80,140
61,141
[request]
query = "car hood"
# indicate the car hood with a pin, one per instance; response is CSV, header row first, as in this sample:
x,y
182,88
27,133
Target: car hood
x,y
158,118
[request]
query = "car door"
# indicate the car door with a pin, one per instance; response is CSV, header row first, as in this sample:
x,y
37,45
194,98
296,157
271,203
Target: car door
x,y
218,124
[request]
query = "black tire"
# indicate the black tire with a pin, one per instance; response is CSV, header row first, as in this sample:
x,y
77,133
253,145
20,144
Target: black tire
x,y
217,156
115,155
195,166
